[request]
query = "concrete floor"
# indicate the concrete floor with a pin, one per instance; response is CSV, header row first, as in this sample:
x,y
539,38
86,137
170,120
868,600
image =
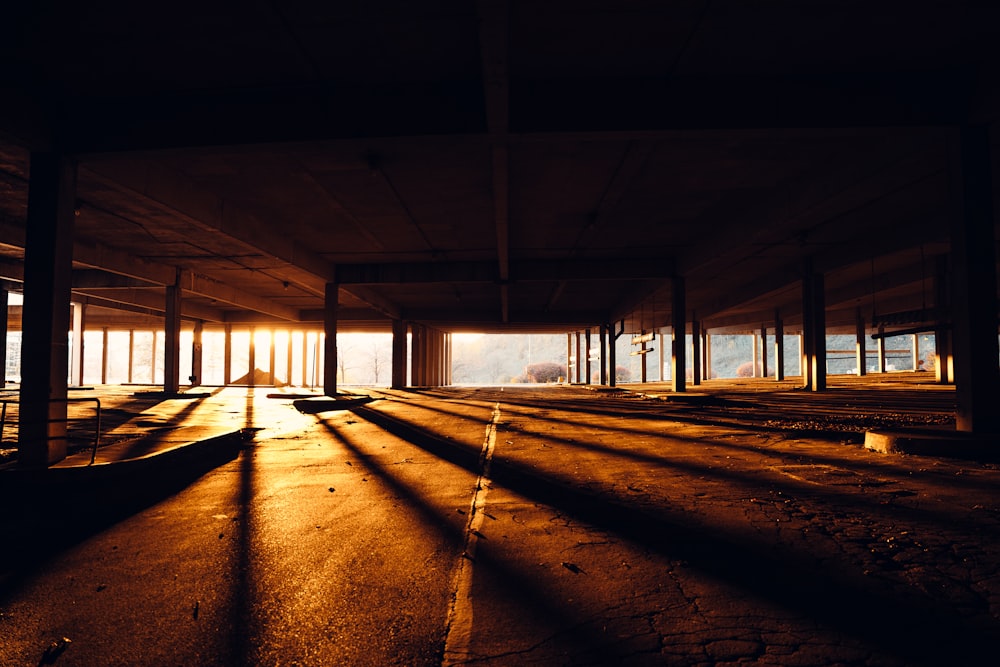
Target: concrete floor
x,y
742,523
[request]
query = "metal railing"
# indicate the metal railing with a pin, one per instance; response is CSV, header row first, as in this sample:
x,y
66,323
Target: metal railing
x,y
97,429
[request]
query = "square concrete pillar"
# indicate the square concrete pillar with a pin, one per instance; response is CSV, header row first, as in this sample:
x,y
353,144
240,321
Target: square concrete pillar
x,y
330,329
678,336
48,264
974,286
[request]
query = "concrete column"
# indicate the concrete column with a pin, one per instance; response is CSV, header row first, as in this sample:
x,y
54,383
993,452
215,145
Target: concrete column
x,y
754,355
915,351
764,370
642,361
942,335
172,338
288,359
416,354
305,359
152,360
433,357
663,356
252,358
706,352
860,344
579,361
197,354
569,357
104,355
695,351
814,329
446,358
330,329
779,350
4,304
227,362
48,264
678,335
604,355
79,315
881,349
398,354
438,341
974,287
270,357
612,356
131,353
318,368
586,338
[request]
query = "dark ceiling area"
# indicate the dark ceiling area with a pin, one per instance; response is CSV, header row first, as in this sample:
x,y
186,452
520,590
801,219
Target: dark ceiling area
x,y
500,165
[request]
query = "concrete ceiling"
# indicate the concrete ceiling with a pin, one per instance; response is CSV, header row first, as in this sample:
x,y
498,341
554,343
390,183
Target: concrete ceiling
x,y
499,165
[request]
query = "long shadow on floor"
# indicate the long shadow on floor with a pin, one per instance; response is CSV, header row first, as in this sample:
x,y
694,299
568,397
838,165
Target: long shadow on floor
x,y
920,629
44,514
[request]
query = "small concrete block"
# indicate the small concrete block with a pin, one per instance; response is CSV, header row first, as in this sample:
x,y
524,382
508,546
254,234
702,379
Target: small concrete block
x,y
952,444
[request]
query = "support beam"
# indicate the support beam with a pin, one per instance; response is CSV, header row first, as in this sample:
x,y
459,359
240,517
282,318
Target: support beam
x,y
48,260
172,340
706,354
881,349
104,355
779,347
569,358
678,336
270,356
227,363
695,351
578,366
764,370
814,329
330,328
289,360
662,356
398,354
860,344
974,287
417,376
78,327
604,355
613,352
197,352
4,302
943,365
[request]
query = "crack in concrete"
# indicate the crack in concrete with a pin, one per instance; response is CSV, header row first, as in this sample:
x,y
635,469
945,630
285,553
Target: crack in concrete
x,y
458,628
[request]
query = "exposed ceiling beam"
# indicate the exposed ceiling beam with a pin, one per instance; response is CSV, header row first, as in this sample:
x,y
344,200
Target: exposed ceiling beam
x,y
106,258
375,300
178,195
148,301
447,319
96,279
520,271
261,115
203,286
494,29
103,257
918,98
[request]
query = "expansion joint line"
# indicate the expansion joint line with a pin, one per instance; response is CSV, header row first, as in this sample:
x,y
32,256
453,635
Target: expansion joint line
x,y
458,629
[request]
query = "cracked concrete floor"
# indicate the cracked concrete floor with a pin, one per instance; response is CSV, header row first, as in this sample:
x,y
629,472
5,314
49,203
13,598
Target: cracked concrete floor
x,y
535,526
